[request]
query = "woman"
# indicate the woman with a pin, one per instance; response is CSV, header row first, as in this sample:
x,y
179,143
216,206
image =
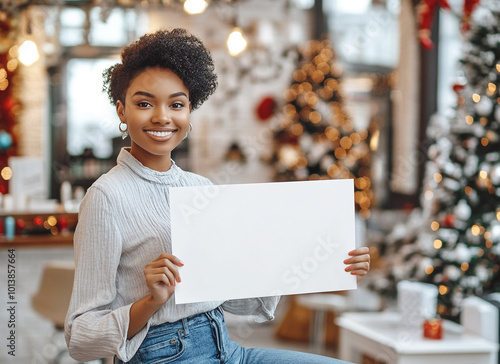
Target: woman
x,y
125,276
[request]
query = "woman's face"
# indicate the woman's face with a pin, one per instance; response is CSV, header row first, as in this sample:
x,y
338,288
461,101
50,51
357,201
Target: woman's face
x,y
157,113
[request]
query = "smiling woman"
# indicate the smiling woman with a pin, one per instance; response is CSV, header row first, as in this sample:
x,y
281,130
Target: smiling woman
x,y
157,113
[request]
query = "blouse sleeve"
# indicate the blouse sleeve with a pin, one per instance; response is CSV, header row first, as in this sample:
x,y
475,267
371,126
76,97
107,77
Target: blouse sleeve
x,y
93,329
262,307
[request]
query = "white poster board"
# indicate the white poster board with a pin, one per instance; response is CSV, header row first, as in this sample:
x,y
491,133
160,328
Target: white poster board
x,y
265,239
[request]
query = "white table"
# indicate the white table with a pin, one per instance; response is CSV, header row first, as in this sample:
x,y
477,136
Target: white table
x,y
382,337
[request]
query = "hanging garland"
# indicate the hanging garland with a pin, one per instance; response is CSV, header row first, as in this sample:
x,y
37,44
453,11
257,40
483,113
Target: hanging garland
x,y
426,11
9,106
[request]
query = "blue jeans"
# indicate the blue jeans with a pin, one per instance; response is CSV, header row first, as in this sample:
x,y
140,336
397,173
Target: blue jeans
x,y
203,339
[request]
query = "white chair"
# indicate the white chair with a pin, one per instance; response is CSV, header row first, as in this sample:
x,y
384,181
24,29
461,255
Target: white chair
x,y
54,294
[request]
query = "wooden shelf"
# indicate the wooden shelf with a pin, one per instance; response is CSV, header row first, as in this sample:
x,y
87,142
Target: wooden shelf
x,y
40,241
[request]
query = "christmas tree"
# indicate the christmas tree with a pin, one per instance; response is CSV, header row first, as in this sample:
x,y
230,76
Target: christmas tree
x,y
454,240
316,139
465,186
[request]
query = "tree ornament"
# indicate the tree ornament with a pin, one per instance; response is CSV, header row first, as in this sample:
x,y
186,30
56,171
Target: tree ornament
x,y
5,140
462,210
497,113
265,109
495,175
449,220
485,106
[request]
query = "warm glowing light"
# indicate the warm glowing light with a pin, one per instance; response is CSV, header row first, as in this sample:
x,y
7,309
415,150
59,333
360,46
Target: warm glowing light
x,y
6,173
195,6
4,84
28,53
236,42
346,142
438,177
492,87
333,170
476,97
437,244
12,65
443,289
498,215
3,74
489,244
374,140
429,269
475,230
315,117
332,133
52,220
364,213
468,190
464,266
498,67
297,129
429,195
484,142
483,174
469,119
340,153
434,225
54,230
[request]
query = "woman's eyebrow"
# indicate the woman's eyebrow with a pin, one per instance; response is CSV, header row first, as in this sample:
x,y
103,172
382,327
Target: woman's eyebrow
x,y
144,93
178,94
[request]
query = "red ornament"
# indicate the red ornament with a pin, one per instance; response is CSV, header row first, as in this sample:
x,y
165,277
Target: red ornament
x,y
265,109
38,221
433,329
449,221
469,6
62,224
458,88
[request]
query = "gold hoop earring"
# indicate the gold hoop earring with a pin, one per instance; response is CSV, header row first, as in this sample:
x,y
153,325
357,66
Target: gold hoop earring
x,y
190,128
124,132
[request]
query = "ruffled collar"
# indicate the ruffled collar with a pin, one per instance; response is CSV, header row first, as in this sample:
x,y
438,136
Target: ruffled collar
x,y
170,177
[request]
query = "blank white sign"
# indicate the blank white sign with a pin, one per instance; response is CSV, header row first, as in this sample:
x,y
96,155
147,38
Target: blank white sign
x,y
265,239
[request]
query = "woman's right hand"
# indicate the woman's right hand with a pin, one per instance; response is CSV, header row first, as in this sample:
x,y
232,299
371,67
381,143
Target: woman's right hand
x,y
161,276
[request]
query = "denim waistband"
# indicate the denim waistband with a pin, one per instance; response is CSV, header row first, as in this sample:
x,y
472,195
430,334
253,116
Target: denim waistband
x,y
184,324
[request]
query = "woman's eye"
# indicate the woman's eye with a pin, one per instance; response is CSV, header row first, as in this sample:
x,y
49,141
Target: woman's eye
x,y
143,104
177,105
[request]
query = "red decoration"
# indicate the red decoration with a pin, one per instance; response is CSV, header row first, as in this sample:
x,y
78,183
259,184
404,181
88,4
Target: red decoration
x,y
62,223
449,221
426,11
458,88
469,6
265,109
433,329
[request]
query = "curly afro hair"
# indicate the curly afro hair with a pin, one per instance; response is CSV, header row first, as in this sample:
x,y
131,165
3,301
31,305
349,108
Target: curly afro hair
x,y
177,50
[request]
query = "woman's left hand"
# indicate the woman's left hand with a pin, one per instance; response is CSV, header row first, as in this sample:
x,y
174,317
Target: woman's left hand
x,y
359,262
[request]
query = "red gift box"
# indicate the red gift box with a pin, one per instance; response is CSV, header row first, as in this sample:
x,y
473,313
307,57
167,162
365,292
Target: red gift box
x,y
433,329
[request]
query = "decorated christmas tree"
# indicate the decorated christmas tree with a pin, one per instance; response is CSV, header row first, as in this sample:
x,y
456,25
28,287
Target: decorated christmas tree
x,y
454,240
317,139
465,184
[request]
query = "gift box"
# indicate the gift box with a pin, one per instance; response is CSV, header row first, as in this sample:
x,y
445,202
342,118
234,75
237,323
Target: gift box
x,y
417,302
